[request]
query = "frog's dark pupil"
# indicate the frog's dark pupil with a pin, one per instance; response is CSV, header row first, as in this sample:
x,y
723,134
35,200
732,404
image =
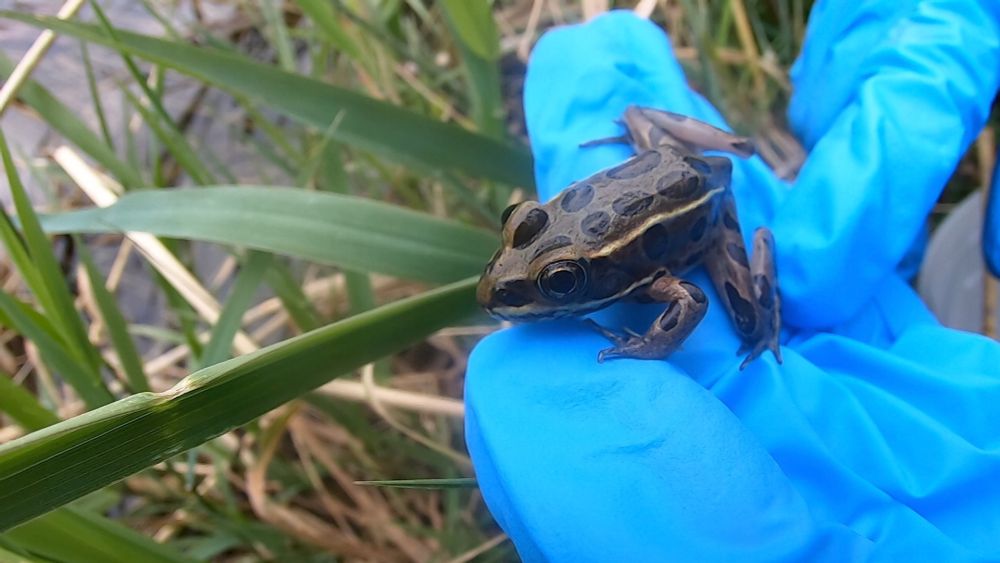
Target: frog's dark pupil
x,y
562,281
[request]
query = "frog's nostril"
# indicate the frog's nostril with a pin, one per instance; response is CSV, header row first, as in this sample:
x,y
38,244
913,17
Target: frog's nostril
x,y
507,296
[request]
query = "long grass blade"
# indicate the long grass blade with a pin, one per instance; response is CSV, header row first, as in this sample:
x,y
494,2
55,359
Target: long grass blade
x,y
231,316
85,381
114,322
351,232
70,534
472,23
51,290
22,406
58,464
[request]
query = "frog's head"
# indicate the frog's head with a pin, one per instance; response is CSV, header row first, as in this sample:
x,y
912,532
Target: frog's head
x,y
535,274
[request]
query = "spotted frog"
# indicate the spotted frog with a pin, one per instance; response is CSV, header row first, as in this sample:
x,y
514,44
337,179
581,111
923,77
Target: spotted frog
x,y
632,232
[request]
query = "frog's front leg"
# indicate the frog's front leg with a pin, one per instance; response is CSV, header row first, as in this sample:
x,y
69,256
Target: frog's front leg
x,y
686,306
749,289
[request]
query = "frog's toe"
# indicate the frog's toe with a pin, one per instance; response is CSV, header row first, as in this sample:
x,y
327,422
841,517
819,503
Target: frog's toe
x,y
627,349
759,348
611,335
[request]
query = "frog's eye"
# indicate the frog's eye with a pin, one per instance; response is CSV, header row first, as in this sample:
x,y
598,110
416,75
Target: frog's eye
x,y
507,212
562,279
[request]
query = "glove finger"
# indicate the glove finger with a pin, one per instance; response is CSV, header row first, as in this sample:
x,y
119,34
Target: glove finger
x,y
580,80
635,449
920,96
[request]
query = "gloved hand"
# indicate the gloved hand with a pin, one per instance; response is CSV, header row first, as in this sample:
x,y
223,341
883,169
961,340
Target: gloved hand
x,y
879,436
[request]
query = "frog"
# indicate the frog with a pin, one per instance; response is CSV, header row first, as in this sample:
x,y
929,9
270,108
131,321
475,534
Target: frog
x,y
632,232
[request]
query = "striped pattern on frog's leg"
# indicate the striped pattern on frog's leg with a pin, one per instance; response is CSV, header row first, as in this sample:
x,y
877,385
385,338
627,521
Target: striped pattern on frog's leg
x,y
748,290
686,306
648,128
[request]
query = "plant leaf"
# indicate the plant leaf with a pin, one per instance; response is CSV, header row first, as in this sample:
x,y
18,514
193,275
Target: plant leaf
x,y
454,483
62,462
22,406
352,232
231,316
71,534
114,322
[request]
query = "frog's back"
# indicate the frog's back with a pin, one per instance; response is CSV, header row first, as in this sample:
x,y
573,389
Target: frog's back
x,y
650,212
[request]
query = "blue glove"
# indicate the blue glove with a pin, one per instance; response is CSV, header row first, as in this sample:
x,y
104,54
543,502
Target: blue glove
x,y
879,437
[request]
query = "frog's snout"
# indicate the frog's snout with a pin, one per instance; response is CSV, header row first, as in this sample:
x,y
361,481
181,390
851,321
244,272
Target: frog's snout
x,y
484,293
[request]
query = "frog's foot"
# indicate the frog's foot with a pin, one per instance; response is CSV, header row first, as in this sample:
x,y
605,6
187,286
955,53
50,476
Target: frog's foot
x,y
686,306
765,287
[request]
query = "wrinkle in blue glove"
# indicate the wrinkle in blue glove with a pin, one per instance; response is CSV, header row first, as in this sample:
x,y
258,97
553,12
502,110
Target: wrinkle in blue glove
x,y
876,440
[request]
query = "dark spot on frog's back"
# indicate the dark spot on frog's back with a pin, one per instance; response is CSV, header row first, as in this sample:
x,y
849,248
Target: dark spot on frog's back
x,y
693,258
631,203
551,244
606,279
698,229
730,222
577,197
596,224
679,184
636,166
655,242
746,319
737,253
533,224
699,165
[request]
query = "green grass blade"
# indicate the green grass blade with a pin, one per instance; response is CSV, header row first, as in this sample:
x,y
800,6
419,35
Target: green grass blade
x,y
22,406
352,232
322,15
52,291
455,483
66,122
70,534
278,32
174,140
363,122
472,23
231,316
53,288
114,322
155,115
95,96
58,464
8,555
293,298
80,376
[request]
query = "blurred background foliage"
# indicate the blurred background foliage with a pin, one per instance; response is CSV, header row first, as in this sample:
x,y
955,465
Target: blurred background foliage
x,y
241,241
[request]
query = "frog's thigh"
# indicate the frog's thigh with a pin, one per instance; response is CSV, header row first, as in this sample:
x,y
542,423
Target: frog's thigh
x,y
686,306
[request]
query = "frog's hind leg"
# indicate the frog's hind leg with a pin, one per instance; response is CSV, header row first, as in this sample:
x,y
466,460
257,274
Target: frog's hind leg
x,y
657,127
686,306
749,290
